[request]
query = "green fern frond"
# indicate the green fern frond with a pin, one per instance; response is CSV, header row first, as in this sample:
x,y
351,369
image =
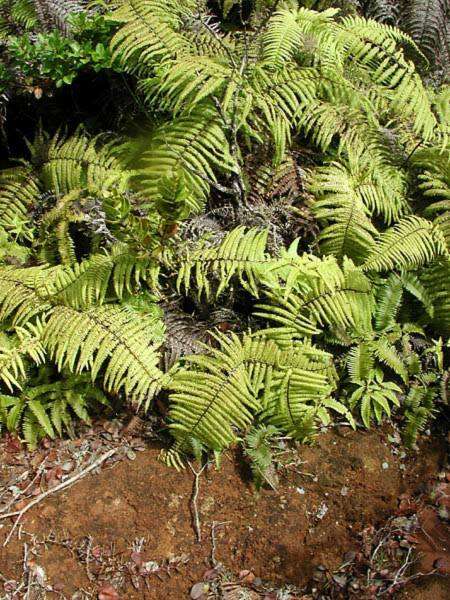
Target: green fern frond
x,y
218,398
79,162
19,193
283,38
388,356
374,398
349,231
241,253
216,393
18,298
14,352
360,362
108,338
294,401
150,32
409,244
257,447
335,297
412,284
389,299
49,409
190,146
436,281
419,410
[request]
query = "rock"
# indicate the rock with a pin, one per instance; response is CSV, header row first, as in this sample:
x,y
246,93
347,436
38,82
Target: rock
x,y
443,565
199,590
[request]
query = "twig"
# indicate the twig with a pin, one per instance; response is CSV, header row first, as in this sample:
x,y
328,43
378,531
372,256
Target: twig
x,y
399,573
433,545
213,540
64,484
194,507
23,492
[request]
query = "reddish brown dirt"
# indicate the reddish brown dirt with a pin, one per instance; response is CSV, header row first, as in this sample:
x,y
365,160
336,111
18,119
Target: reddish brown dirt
x,y
351,479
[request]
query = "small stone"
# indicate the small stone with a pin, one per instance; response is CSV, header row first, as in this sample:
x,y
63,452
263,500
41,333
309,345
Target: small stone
x,y
442,565
199,590
385,465
300,490
344,491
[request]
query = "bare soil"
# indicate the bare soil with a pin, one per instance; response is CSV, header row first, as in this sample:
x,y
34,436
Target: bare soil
x,y
137,515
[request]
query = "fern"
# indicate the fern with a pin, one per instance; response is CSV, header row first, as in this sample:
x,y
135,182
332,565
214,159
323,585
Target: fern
x,y
188,148
223,390
26,343
409,244
419,409
110,336
436,281
242,254
19,193
49,409
375,397
329,297
257,447
78,162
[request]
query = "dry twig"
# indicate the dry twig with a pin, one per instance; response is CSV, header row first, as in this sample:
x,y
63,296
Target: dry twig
x,y
64,484
195,515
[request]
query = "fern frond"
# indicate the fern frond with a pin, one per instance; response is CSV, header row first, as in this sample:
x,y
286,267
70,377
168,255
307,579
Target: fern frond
x,y
361,179
426,21
333,297
78,162
437,283
219,397
348,230
419,410
282,39
27,343
389,299
387,355
360,362
108,337
242,253
190,146
18,298
19,193
294,401
375,396
151,31
409,244
215,393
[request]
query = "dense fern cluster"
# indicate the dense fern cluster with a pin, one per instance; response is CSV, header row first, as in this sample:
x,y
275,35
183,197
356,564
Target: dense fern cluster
x,y
271,251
